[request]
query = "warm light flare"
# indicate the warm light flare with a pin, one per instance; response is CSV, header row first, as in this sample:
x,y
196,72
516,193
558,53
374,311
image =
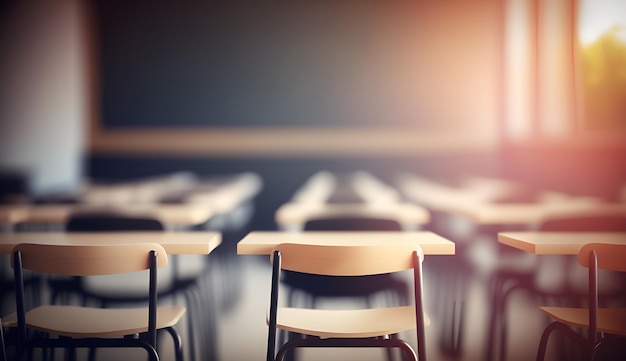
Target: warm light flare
x,y
602,34
596,17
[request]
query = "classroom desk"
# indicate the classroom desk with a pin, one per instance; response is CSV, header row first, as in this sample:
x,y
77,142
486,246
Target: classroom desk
x,y
558,242
535,213
173,242
322,186
263,242
481,207
316,189
540,243
181,187
293,216
169,214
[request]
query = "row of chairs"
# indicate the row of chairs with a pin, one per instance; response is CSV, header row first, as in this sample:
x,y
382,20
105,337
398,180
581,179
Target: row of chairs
x,y
314,286
334,286
356,328
605,327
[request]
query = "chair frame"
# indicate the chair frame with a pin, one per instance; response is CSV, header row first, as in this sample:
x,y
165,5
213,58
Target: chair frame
x,y
382,341
147,340
111,220
504,283
587,257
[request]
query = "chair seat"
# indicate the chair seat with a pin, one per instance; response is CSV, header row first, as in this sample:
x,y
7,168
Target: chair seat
x,y
370,322
610,320
81,322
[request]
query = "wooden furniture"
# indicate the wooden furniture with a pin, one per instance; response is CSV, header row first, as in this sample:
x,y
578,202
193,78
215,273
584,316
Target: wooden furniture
x,y
484,208
181,278
540,243
359,186
378,210
316,189
78,326
172,242
474,209
222,193
173,215
601,323
558,242
263,242
370,327
293,216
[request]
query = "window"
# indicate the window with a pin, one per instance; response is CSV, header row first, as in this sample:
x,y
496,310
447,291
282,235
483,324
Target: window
x,y
602,51
565,70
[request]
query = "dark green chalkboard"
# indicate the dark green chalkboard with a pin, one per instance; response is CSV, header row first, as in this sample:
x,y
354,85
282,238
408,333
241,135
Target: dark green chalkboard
x,y
260,63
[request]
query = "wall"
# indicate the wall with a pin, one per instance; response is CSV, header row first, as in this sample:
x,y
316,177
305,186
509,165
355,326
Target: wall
x,y
47,103
42,92
318,78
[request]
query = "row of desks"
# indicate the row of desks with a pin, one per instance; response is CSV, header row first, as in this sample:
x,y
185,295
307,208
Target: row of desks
x,y
259,242
195,203
484,201
294,213
478,210
169,214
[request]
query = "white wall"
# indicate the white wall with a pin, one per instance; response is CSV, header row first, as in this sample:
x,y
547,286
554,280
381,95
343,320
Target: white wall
x,y
43,92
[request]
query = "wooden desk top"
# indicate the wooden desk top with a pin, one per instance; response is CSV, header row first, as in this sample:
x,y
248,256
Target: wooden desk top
x,y
264,242
557,242
173,242
300,213
170,214
226,197
478,207
535,213
320,187
316,189
222,194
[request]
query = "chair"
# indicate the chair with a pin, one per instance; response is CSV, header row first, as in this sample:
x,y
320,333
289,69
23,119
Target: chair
x,y
108,291
603,325
73,327
370,327
315,286
99,221
506,281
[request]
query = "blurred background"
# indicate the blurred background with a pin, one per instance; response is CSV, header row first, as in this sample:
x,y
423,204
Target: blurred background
x,y
111,90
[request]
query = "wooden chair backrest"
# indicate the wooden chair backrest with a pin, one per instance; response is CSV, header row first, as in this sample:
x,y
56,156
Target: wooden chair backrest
x,y
349,260
610,256
88,260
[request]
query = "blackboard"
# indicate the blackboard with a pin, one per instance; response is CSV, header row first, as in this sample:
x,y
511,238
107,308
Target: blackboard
x,y
262,63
